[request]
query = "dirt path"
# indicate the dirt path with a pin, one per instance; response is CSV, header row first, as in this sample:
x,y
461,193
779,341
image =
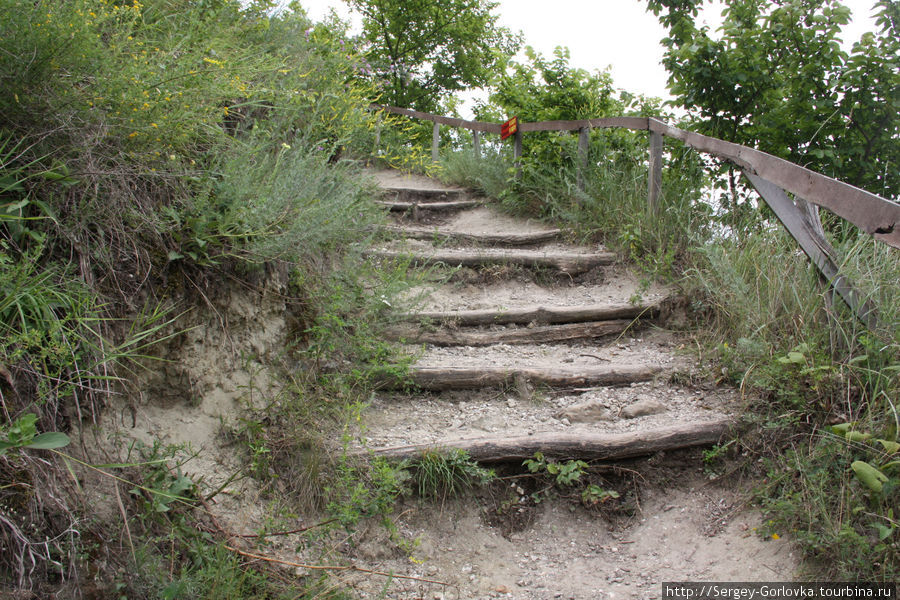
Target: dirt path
x,y
674,528
513,539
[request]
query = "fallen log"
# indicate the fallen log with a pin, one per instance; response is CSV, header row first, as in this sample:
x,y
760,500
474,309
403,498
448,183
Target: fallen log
x,y
522,335
496,239
535,314
456,378
589,446
566,262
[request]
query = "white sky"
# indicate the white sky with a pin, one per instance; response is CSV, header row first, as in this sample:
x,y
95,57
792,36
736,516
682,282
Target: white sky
x,y
618,34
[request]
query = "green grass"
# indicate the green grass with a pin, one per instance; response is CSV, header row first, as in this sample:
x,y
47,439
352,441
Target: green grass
x,y
444,474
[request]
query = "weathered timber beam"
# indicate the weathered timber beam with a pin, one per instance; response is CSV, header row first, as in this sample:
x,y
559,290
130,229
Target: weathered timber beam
x,y
572,264
588,446
870,212
399,206
536,314
815,246
521,335
497,239
459,378
404,194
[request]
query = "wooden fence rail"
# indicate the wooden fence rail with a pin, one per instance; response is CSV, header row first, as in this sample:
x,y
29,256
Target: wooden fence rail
x,y
771,176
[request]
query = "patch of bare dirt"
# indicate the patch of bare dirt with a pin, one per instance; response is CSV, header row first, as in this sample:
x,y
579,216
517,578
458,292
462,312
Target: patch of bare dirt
x,y
687,530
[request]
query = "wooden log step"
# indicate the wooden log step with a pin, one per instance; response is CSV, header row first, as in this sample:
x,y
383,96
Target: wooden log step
x,y
414,206
495,239
566,262
586,445
534,314
459,378
520,335
413,195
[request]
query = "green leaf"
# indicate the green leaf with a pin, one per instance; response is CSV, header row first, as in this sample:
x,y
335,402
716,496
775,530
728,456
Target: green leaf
x,y
857,436
889,446
841,428
870,476
884,532
49,441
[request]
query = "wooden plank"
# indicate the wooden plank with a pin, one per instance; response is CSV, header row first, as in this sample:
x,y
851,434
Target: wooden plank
x,y
815,246
518,335
566,262
870,212
564,445
435,142
639,123
494,239
535,314
476,143
465,378
584,142
654,177
451,121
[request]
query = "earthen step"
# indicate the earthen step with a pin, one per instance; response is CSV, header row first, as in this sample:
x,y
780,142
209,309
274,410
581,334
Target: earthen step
x,y
566,262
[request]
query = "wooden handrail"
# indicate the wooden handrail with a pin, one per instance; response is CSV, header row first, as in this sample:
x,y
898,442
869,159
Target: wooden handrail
x,y
482,126
871,213
640,123
770,176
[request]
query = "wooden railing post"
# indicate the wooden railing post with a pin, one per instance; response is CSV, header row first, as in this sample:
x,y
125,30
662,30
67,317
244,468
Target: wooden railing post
x,y
584,141
517,153
797,221
377,132
654,178
435,142
476,143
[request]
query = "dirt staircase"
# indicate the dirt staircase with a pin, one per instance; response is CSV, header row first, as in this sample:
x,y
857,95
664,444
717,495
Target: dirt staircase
x,y
532,345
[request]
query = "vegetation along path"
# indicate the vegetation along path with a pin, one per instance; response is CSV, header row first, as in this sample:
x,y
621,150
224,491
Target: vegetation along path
x,y
534,350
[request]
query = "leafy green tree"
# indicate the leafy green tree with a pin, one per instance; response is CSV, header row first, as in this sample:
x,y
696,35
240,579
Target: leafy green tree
x,y
777,79
544,89
547,89
423,51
